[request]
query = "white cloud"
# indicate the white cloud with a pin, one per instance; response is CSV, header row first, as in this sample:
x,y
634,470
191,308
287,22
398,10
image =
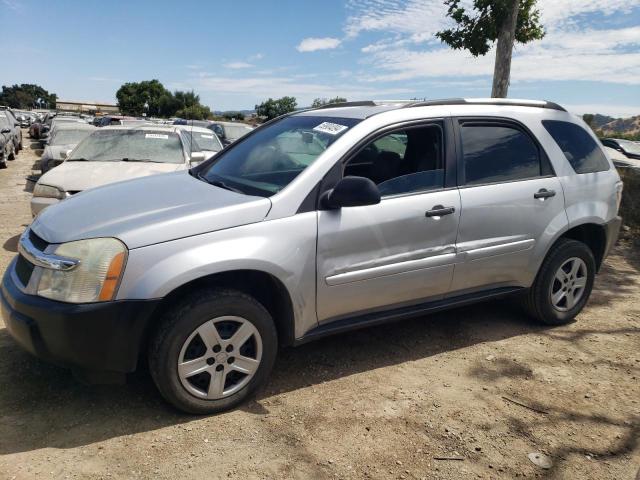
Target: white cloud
x,y
414,17
237,65
617,111
258,88
313,44
566,53
257,56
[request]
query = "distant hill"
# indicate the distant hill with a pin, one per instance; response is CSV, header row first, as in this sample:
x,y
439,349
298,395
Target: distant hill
x,y
621,126
600,120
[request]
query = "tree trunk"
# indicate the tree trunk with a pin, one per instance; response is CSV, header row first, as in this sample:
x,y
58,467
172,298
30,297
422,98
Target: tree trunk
x,y
506,39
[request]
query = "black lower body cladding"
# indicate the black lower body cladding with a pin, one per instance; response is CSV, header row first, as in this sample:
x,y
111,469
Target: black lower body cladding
x,y
96,337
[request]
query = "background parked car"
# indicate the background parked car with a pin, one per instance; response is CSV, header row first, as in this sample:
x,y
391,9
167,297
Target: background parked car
x,y
64,138
627,147
6,146
194,123
14,125
37,127
229,132
60,120
112,154
200,139
107,120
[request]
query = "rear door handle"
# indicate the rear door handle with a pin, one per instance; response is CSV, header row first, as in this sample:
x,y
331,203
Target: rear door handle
x,y
439,211
544,193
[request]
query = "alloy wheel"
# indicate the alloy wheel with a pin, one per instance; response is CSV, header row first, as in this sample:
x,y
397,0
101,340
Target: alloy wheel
x,y
569,284
219,357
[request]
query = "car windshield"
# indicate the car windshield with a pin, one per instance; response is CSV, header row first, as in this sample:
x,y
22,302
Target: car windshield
x,y
68,137
198,141
269,159
629,146
133,145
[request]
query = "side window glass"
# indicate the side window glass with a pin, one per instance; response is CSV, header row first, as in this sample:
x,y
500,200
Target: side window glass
x,y
404,161
498,153
580,149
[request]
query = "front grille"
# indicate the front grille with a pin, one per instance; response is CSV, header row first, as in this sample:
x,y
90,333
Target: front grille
x,y
24,269
39,243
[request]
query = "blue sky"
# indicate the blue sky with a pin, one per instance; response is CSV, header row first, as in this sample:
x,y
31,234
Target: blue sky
x,y
236,54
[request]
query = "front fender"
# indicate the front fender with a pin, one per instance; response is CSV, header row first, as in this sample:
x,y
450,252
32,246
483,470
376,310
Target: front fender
x,y
284,248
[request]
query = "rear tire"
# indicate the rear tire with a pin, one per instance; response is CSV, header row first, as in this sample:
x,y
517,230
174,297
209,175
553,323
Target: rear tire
x,y
563,284
194,360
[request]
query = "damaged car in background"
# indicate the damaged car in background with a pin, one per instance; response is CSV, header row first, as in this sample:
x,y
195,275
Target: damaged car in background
x,y
64,138
113,154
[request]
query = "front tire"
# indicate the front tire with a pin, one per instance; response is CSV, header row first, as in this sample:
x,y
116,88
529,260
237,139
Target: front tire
x,y
563,284
212,350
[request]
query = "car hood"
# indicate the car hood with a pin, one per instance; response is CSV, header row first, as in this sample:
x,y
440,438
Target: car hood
x,y
149,210
79,176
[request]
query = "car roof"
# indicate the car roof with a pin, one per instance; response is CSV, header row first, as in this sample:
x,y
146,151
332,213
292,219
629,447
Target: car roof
x,y
367,108
75,126
242,124
194,128
148,127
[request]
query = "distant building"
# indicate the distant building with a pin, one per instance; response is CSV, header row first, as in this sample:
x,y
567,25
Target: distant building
x,y
85,107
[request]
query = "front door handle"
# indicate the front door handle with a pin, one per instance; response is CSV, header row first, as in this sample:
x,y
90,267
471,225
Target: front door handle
x,y
544,193
439,211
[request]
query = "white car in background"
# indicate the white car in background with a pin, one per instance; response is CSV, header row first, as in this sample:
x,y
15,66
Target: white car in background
x,y
201,139
113,154
65,137
229,132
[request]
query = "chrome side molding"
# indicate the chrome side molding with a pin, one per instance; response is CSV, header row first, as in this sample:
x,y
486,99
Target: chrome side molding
x,y
45,260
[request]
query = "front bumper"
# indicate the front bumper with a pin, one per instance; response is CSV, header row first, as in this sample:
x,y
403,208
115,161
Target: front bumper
x,y
91,337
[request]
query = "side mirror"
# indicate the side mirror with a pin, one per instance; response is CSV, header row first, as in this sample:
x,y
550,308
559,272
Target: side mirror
x,y
351,192
64,154
196,158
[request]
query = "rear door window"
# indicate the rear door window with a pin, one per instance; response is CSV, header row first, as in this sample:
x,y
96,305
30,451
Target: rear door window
x,y
580,149
498,153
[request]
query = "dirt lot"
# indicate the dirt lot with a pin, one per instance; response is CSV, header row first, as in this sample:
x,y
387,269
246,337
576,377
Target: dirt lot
x,y
379,403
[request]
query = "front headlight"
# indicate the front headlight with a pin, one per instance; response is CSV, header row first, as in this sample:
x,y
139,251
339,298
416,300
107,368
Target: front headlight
x,y
48,191
95,279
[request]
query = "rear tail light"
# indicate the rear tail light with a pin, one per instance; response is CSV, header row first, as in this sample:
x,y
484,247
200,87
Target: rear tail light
x,y
619,187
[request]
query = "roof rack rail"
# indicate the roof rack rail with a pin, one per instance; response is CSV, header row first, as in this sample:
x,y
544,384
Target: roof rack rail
x,y
362,103
487,101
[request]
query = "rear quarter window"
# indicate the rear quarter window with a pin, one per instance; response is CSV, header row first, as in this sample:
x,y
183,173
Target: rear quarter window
x,y
579,148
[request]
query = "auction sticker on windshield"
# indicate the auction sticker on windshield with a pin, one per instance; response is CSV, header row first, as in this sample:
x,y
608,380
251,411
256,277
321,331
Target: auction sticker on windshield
x,y
157,135
206,136
330,128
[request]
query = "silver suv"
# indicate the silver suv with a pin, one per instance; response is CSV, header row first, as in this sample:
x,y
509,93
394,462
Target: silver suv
x,y
316,223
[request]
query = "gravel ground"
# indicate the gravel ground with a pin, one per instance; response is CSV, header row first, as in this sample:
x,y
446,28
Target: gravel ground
x,y
480,386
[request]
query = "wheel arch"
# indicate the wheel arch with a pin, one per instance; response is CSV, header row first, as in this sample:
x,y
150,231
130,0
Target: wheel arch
x,y
264,287
593,235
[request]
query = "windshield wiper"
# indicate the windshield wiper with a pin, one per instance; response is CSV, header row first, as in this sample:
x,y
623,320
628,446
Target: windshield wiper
x,y
78,160
125,159
219,184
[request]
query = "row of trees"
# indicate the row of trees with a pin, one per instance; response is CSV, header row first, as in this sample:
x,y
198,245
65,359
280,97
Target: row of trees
x,y
27,95
274,108
151,98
